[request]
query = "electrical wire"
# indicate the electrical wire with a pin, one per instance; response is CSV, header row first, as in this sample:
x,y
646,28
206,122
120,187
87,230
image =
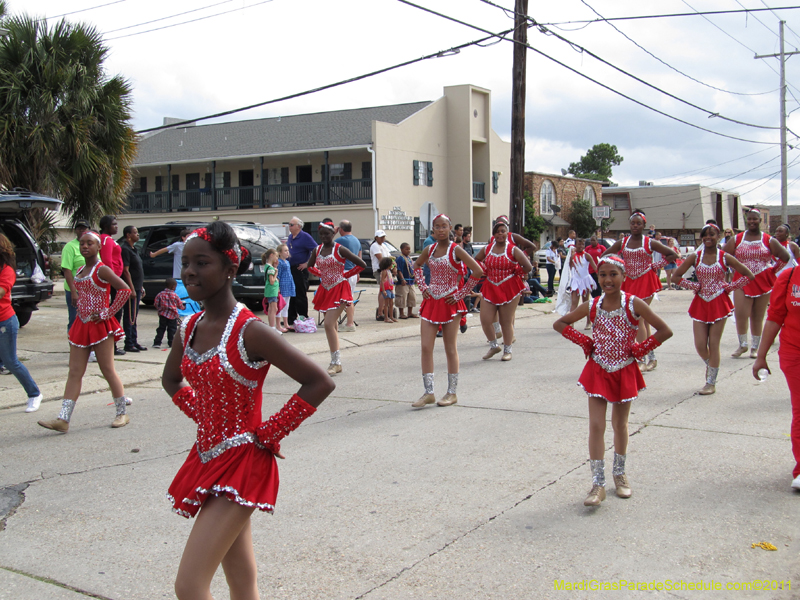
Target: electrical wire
x,y
670,15
165,18
703,169
610,89
440,54
75,12
767,27
119,37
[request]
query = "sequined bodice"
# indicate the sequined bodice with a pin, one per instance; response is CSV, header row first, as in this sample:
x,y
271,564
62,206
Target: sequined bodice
x,y
711,277
754,255
93,292
331,267
445,273
500,267
613,334
227,386
638,261
779,264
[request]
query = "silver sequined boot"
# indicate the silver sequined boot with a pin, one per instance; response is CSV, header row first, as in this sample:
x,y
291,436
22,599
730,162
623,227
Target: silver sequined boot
x,y
122,418
506,352
711,382
742,346
754,344
427,397
620,479
336,363
450,397
598,491
61,423
494,348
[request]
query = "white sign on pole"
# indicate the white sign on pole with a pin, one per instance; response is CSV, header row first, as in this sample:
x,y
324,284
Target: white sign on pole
x,y
601,212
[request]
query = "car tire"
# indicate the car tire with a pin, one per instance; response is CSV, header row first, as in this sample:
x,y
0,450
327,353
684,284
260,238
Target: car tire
x,y
23,315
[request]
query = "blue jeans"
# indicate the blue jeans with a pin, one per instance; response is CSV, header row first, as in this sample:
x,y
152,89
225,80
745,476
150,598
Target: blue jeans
x,y
72,311
8,354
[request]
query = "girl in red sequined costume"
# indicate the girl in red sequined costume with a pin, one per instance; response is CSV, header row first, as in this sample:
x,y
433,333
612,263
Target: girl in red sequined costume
x,y
641,280
334,293
756,251
712,305
224,354
782,234
96,329
442,304
611,375
504,264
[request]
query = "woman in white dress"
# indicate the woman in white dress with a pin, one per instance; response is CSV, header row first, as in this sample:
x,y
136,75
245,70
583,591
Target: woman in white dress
x,y
581,282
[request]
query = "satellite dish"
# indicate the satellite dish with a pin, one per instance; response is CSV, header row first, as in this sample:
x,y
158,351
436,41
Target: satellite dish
x,y
563,171
555,208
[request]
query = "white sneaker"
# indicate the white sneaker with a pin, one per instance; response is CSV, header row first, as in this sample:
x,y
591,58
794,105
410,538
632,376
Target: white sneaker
x,y
33,403
796,483
92,357
128,400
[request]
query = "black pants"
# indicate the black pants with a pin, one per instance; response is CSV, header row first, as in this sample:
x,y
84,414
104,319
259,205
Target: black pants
x,y
117,316
298,305
551,277
595,292
129,313
536,287
168,325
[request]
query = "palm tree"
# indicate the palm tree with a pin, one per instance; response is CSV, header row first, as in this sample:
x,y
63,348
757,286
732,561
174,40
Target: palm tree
x,y
64,125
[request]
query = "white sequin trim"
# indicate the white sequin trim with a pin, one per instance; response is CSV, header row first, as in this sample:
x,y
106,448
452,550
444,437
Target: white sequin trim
x,y
606,399
219,490
243,350
238,440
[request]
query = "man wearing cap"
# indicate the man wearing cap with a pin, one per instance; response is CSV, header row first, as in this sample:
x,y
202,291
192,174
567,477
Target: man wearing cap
x,y
376,252
71,261
300,245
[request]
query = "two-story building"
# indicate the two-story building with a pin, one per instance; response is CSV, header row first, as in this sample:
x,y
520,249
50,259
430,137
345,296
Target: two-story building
x,y
390,167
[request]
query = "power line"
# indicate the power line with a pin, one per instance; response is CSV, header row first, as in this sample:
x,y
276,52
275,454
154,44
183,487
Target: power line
x,y
440,54
190,21
683,174
759,20
670,15
75,12
610,89
165,18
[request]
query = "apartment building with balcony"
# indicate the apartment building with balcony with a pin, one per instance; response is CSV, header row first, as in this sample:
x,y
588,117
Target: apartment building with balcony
x,y
386,167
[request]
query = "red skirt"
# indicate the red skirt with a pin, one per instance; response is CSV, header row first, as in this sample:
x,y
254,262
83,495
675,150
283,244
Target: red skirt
x,y
761,285
85,335
503,293
244,474
620,386
719,308
439,311
644,287
325,300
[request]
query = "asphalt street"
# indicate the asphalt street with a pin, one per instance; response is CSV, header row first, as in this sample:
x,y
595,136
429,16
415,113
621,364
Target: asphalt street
x,y
378,501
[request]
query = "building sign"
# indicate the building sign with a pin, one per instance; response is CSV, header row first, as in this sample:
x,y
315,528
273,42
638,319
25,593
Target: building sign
x,y
397,219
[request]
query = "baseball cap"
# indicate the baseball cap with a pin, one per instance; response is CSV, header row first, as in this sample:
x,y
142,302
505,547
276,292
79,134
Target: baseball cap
x,y
82,223
380,233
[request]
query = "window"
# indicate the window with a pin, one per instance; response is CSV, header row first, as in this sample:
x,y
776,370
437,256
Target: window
x,y
423,173
588,195
366,169
339,171
547,197
495,181
621,202
223,180
176,183
159,183
143,184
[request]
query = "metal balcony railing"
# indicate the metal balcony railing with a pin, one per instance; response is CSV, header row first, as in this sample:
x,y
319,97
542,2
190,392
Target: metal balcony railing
x,y
478,191
356,191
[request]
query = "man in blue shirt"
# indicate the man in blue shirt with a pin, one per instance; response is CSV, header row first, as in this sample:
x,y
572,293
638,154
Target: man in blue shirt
x,y
352,243
426,270
300,244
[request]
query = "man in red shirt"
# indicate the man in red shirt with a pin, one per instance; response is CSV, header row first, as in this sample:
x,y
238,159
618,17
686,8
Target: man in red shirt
x,y
111,256
595,250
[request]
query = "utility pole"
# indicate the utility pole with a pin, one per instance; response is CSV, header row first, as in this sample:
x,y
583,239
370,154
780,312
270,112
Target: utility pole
x,y
517,200
784,187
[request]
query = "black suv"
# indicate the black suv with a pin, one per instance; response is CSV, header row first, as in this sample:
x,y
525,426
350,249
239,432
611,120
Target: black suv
x,y
247,288
27,293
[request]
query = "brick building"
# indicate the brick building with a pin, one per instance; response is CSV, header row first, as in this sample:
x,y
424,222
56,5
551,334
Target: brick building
x,y
558,191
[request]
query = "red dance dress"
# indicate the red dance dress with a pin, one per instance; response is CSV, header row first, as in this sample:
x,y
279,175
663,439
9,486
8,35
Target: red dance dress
x,y
611,373
227,460
640,278
757,257
711,302
93,297
446,275
334,289
503,285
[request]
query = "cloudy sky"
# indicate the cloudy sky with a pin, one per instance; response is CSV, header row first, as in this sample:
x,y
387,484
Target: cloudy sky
x,y
242,52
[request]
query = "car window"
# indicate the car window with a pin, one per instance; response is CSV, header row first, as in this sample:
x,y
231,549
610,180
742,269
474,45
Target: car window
x,y
257,239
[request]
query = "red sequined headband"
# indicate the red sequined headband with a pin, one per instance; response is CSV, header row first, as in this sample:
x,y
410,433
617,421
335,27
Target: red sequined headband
x,y
235,254
714,225
441,215
636,213
326,225
612,259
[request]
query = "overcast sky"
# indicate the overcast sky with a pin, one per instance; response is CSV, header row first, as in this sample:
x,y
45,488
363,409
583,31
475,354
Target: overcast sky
x,y
263,50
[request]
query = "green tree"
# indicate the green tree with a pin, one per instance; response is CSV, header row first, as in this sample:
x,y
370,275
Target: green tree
x,y
534,224
64,124
596,163
583,222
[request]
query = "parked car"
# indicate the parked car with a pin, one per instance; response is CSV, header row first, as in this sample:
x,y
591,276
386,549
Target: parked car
x,y
541,255
29,290
248,287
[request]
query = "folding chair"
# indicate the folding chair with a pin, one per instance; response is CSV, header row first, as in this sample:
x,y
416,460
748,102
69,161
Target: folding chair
x,y
343,316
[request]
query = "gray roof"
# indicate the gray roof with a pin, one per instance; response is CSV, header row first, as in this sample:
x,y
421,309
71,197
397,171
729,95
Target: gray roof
x,y
261,137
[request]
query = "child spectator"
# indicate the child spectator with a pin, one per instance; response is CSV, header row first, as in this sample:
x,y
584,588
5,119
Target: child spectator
x,y
167,304
286,284
387,289
405,295
271,287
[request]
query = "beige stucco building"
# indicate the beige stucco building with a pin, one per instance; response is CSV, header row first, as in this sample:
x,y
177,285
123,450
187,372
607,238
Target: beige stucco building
x,y
678,211
384,167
